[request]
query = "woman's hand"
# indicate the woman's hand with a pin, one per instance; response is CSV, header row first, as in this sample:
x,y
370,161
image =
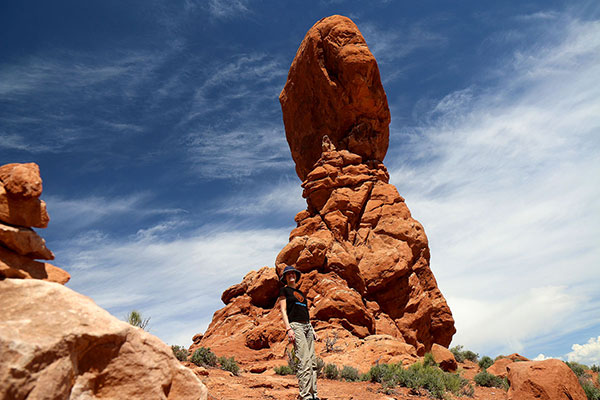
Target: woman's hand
x,y
291,335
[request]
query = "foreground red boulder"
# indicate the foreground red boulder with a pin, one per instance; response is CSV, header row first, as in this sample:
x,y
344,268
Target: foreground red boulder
x,y
58,344
543,380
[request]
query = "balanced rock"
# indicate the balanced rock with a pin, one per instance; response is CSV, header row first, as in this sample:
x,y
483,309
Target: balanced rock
x,y
21,209
543,380
364,259
334,89
58,344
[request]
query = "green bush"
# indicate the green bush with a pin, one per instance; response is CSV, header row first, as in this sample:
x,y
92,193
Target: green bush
x,y
486,379
457,351
229,364
350,374
429,360
180,352
135,318
461,355
320,365
578,369
485,362
591,391
331,371
418,376
203,357
470,355
293,360
595,368
284,370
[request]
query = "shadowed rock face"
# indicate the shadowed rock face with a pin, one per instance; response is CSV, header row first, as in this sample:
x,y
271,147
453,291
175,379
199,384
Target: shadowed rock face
x,y
364,259
334,89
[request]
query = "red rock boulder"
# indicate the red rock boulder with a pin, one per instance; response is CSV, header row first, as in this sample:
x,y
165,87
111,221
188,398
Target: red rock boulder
x,y
444,358
543,380
21,209
57,344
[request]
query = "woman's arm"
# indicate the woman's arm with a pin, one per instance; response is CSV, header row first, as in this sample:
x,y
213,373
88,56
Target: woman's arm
x,y
283,307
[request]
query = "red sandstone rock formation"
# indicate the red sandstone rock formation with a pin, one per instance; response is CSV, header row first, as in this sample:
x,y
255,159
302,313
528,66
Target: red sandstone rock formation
x,y
548,380
58,344
21,209
365,260
334,89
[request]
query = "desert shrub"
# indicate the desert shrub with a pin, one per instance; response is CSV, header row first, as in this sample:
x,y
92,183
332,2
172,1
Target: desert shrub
x,y
457,351
293,360
467,390
485,362
499,357
331,371
229,364
419,376
180,352
595,368
461,355
203,357
486,379
320,365
429,360
470,355
350,374
578,369
283,370
135,318
591,391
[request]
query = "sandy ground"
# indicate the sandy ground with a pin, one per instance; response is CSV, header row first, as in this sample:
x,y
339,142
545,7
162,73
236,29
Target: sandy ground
x,y
223,385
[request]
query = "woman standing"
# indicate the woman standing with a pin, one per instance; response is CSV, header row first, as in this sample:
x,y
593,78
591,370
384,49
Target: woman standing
x,y
294,310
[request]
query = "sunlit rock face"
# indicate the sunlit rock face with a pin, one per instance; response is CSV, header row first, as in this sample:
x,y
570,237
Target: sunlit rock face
x,y
333,88
58,344
20,210
364,259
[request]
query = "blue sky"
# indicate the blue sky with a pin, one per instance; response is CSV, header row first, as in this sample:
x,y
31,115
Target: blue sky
x,y
159,135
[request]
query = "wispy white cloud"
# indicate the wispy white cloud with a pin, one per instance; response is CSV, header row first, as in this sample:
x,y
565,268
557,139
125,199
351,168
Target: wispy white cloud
x,y
282,198
85,212
588,353
391,45
177,282
248,77
228,8
501,180
238,153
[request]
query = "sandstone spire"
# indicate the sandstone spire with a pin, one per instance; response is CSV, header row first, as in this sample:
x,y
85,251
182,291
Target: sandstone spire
x,y
365,260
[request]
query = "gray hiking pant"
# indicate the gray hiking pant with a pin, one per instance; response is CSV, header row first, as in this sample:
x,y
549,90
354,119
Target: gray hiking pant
x,y
305,351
